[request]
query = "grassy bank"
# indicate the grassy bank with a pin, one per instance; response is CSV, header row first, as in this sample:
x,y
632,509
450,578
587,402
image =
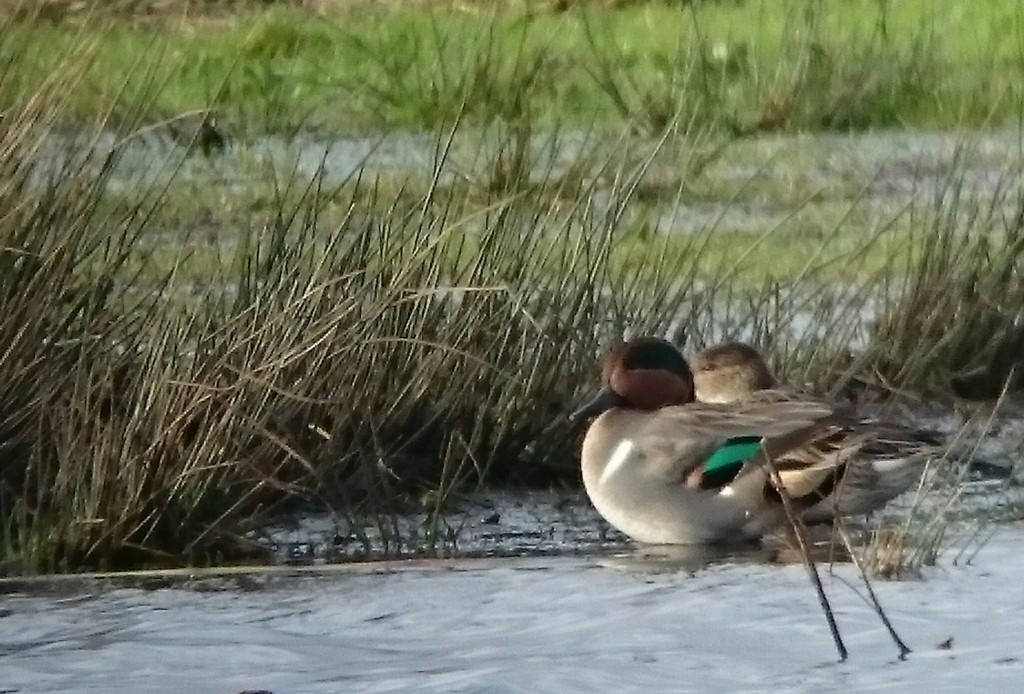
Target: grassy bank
x,y
183,359
740,67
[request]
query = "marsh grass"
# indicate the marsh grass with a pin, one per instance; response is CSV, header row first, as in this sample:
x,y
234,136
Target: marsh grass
x,y
362,345
415,347
939,519
953,320
414,344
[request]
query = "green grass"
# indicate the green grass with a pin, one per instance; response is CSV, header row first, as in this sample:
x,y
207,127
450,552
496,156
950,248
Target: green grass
x,y
836,238
741,67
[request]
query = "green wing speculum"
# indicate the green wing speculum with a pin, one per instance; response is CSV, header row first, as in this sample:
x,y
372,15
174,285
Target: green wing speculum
x,y
726,462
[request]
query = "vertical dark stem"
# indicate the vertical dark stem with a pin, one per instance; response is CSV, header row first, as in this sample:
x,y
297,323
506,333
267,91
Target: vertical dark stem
x,y
812,569
845,537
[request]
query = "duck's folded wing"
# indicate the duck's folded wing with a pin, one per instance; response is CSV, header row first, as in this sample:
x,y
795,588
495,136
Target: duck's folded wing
x,y
814,468
680,439
774,396
887,455
811,463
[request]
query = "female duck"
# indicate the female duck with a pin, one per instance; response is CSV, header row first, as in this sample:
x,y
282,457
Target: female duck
x,y
886,464
665,469
730,371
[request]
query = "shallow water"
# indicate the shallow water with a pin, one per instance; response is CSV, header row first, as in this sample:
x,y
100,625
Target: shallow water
x,y
517,523
543,596
754,184
498,524
605,623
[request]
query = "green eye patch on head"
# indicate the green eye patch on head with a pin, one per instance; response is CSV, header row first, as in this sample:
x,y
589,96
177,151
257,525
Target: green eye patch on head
x,y
654,353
